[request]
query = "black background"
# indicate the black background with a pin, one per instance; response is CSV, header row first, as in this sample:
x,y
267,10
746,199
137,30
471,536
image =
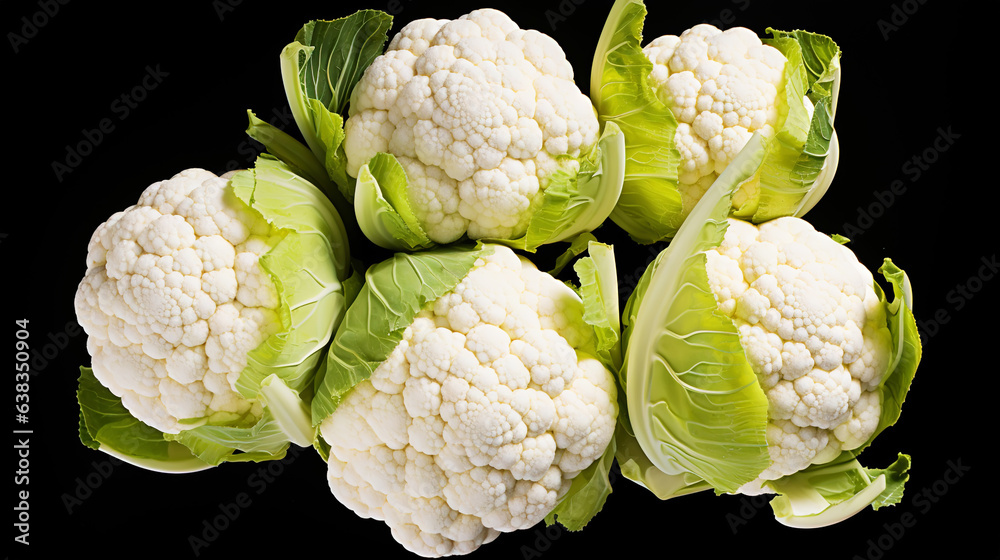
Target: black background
x,y
909,80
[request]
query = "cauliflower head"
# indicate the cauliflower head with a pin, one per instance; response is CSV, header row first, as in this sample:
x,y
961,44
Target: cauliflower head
x,y
480,417
765,359
722,86
479,113
174,298
814,332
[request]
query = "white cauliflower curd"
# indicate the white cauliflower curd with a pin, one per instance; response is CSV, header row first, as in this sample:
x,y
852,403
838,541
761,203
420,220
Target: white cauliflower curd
x,y
174,298
814,332
722,86
479,113
479,419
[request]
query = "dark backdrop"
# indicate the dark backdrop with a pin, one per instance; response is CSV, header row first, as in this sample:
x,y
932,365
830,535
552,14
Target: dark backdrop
x,y
81,142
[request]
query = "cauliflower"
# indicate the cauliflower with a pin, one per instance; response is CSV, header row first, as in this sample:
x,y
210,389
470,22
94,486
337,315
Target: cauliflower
x,y
722,86
174,298
480,114
814,332
765,359
197,294
480,417
692,101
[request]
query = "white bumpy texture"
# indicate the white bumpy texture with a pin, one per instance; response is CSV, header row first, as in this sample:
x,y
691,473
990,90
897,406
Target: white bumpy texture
x,y
722,86
814,331
479,113
174,298
480,418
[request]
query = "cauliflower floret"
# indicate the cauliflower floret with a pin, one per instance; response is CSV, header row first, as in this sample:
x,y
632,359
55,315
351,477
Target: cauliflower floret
x,y
722,86
501,406
174,298
480,114
814,332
